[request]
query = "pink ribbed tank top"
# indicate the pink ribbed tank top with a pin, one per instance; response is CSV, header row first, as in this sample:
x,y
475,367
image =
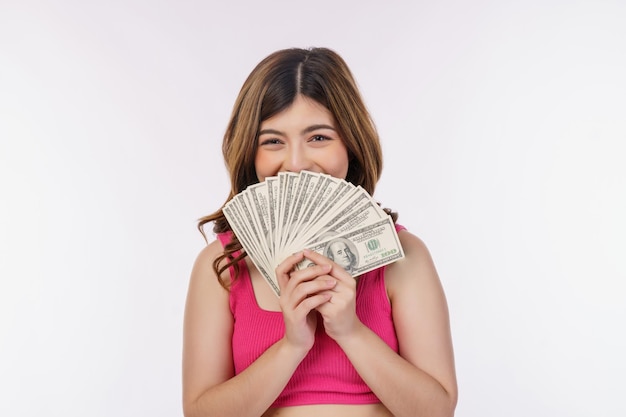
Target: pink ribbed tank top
x,y
325,375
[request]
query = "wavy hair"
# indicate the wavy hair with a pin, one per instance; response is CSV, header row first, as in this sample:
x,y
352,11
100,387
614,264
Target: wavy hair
x,y
272,86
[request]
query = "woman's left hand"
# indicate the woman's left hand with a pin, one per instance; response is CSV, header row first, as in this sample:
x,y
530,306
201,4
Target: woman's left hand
x,y
339,312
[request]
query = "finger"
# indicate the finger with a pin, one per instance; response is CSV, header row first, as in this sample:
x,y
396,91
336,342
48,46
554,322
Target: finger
x,y
336,271
306,289
290,262
285,267
308,274
314,302
295,278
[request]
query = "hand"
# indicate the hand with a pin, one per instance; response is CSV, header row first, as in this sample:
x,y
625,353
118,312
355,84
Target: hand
x,y
301,292
339,312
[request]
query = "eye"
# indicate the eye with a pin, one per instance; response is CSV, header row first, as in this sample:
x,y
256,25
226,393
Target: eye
x,y
319,138
272,141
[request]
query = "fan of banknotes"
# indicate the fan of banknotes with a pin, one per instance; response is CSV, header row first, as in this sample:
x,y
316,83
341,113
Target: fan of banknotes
x,y
307,210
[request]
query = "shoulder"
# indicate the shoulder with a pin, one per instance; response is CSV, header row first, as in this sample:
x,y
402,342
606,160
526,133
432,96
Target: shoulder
x,y
416,256
207,305
204,281
415,272
208,254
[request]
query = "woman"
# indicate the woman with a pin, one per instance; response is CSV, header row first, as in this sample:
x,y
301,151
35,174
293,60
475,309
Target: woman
x,y
330,345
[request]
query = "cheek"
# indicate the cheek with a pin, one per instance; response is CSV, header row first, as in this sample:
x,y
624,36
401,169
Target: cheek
x,y
340,162
264,165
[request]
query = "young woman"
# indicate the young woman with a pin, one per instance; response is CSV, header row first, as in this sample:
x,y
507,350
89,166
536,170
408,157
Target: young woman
x,y
330,345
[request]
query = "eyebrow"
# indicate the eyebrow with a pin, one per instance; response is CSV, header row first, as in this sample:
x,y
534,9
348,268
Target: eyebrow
x,y
308,129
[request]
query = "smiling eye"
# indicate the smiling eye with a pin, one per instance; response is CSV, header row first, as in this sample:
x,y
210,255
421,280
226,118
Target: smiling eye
x,y
319,138
272,141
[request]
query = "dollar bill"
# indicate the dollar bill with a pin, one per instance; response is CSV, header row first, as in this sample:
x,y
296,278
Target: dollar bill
x,y
292,211
265,266
361,250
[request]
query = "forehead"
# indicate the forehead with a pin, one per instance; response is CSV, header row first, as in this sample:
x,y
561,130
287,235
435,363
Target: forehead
x,y
303,111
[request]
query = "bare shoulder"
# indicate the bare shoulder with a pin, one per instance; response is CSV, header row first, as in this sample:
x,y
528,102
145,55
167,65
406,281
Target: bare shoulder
x,y
205,291
208,254
415,269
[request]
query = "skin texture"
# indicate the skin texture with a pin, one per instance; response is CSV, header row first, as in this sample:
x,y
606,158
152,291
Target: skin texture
x,y
420,381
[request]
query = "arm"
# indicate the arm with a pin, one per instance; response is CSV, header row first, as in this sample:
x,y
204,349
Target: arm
x,y
421,380
210,387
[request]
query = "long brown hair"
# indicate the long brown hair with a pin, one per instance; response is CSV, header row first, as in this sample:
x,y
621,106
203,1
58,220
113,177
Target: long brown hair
x,y
319,74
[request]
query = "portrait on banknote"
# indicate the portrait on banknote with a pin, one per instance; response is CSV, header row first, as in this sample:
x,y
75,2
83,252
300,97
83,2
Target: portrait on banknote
x,y
342,252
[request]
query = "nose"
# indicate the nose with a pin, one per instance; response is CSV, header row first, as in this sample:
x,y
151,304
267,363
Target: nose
x,y
297,159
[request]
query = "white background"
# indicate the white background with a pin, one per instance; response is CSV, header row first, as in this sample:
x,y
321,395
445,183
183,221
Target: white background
x,y
503,124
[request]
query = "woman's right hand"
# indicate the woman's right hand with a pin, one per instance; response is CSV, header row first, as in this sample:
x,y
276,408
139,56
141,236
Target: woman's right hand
x,y
301,292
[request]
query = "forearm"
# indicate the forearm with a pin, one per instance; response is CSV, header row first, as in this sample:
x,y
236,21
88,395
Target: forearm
x,y
402,387
252,392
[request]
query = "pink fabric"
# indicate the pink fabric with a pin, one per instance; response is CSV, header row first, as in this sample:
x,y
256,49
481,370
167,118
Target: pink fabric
x,y
325,376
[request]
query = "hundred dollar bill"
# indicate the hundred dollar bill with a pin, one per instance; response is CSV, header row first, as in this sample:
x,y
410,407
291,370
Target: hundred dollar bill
x,y
291,211
363,215
259,199
250,245
246,235
322,187
272,197
288,182
332,196
361,250
306,186
360,212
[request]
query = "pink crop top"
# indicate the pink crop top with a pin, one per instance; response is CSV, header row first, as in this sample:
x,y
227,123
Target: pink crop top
x,y
325,375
